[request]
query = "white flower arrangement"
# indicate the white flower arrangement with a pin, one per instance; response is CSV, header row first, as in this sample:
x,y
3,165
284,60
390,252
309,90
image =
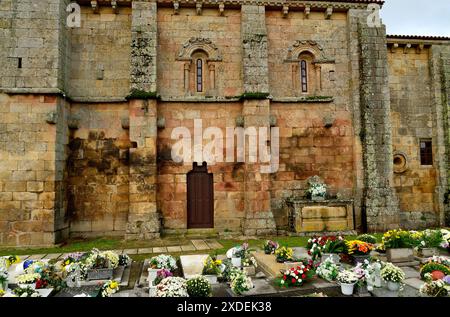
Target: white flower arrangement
x,y
392,273
241,283
347,277
109,288
172,287
432,288
163,261
198,286
249,261
445,238
317,190
328,270
27,278
111,259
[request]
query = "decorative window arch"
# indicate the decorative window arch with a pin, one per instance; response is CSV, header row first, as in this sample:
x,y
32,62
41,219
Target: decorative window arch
x,y
306,58
200,56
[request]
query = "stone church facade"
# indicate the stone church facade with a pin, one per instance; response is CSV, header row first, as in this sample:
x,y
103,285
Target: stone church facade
x,y
86,116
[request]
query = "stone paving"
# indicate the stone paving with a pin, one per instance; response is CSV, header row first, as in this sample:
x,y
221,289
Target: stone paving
x,y
194,245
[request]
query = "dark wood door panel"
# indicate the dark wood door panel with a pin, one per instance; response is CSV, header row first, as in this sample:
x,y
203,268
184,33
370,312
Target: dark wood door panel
x,y
200,197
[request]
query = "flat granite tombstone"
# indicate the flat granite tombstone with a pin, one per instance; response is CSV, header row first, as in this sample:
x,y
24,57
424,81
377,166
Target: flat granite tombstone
x,y
192,264
91,290
261,287
301,253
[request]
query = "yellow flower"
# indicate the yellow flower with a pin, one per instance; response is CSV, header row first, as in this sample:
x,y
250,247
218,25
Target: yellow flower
x,y
113,285
219,262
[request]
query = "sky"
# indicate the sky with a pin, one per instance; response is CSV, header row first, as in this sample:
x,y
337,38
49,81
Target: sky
x,y
417,17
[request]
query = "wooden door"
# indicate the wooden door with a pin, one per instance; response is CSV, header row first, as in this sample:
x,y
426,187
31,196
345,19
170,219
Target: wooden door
x,y
200,197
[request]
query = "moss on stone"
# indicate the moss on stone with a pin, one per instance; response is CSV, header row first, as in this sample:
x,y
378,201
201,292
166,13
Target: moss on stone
x,y
142,95
254,96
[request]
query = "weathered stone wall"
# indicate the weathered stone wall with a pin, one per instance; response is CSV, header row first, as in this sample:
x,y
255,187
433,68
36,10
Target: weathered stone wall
x,y
329,34
33,32
446,117
309,147
143,46
412,119
381,204
32,172
224,32
98,170
255,49
100,55
228,177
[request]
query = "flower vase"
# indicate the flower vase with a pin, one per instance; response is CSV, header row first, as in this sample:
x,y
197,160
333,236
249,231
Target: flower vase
x,y
360,258
237,262
334,257
152,274
393,286
152,291
212,279
347,289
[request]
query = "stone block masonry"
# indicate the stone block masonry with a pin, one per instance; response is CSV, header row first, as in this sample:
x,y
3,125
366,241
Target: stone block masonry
x,y
143,46
32,172
381,203
77,158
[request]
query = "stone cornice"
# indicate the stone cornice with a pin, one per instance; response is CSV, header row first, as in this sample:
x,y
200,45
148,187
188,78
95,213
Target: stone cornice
x,y
340,5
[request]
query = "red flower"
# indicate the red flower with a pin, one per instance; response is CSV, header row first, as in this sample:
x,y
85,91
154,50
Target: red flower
x,y
284,277
294,280
303,276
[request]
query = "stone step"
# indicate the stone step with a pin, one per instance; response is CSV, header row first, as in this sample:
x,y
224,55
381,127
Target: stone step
x,y
200,245
201,233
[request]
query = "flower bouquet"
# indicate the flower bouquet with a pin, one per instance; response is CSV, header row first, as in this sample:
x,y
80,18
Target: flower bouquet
x,y
212,266
240,283
101,265
326,246
109,288
437,266
162,274
172,287
393,275
270,247
163,261
297,276
284,254
328,270
25,292
27,280
347,279
158,263
435,288
198,286
359,250
316,191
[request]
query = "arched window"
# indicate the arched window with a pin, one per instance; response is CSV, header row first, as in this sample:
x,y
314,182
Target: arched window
x,y
199,81
304,75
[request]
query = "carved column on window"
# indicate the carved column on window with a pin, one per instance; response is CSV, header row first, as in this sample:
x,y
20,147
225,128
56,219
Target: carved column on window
x,y
187,68
212,76
318,70
295,77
